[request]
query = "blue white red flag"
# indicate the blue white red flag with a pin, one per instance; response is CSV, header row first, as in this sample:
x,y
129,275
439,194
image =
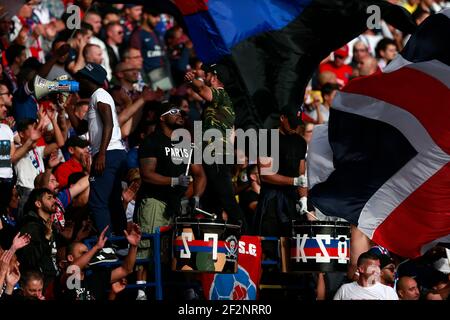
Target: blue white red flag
x,y
383,161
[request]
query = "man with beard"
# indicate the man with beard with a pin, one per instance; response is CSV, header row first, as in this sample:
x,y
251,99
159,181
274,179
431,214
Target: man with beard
x,y
40,253
148,41
109,156
164,180
64,196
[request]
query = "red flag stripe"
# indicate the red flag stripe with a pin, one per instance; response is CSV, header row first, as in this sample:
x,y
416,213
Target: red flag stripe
x,y
188,7
423,217
426,98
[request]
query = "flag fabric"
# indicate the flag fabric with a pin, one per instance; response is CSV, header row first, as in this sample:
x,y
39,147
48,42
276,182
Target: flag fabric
x,y
271,48
383,161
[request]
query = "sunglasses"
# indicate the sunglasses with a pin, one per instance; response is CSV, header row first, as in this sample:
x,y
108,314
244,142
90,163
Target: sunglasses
x,y
172,112
5,93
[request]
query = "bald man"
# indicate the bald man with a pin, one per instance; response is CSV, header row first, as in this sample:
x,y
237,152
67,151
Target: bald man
x,y
93,54
367,66
407,289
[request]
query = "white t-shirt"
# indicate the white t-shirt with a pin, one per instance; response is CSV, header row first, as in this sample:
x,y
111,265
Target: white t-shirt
x,y
96,125
353,291
6,139
29,167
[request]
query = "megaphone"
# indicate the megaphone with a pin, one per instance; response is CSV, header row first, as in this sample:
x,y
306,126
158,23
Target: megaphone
x,y
43,87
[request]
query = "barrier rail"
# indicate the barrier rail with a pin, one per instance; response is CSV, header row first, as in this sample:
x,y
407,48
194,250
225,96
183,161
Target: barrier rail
x,y
156,237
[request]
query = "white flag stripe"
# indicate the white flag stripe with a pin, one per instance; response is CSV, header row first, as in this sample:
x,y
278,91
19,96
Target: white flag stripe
x,y
445,12
394,191
320,156
399,118
397,63
430,159
436,69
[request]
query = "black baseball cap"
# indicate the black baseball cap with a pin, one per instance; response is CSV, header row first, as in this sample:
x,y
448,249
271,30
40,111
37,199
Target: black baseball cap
x,y
293,114
93,72
76,141
209,68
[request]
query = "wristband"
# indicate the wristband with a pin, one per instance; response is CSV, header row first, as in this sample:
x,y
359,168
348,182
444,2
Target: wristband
x,y
174,182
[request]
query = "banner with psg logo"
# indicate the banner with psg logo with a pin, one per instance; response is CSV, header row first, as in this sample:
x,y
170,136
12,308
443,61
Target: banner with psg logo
x,y
242,285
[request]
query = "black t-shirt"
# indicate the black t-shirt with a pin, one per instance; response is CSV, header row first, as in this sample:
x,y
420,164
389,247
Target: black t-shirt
x,y
171,162
94,286
245,199
292,149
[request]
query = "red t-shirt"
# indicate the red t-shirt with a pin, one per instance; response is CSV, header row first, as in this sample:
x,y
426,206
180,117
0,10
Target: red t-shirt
x,y
64,171
343,73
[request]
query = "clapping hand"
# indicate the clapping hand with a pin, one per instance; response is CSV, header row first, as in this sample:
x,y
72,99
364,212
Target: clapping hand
x,y
134,236
54,160
101,239
13,276
20,241
150,95
86,162
119,286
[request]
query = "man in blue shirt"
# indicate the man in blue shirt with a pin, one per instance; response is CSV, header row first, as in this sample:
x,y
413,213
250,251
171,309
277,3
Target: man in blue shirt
x,y
147,39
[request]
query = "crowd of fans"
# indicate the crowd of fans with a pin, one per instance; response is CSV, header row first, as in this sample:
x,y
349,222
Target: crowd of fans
x,y
99,163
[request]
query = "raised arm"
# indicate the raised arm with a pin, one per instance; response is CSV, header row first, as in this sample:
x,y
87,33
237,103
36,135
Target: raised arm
x,y
84,260
133,237
79,187
198,85
59,137
19,153
80,125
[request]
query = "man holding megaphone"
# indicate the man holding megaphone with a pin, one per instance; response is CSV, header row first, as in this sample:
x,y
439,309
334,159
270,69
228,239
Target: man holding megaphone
x,y
108,151
43,87
33,86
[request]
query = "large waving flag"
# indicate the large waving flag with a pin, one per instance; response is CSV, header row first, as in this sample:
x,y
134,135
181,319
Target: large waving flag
x,y
272,47
383,162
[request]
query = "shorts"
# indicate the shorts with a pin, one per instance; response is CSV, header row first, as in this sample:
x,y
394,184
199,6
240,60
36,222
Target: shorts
x,y
150,214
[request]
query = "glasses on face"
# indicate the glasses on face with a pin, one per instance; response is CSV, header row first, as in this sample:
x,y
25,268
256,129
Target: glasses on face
x,y
135,57
172,112
5,93
120,32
